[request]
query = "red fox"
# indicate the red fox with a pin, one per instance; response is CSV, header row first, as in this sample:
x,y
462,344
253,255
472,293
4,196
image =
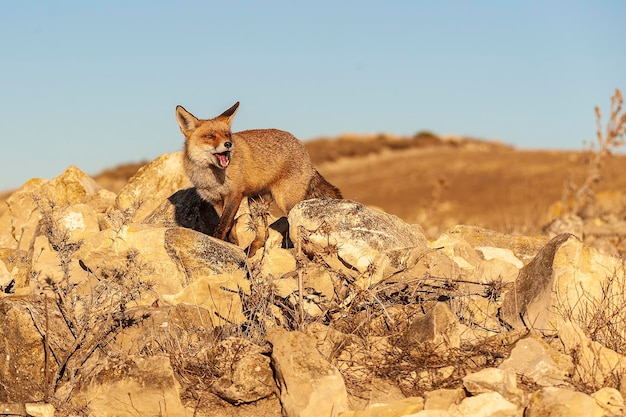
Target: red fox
x,y
225,167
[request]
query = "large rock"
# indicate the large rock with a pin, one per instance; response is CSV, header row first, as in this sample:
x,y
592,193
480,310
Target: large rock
x,y
523,248
153,184
26,206
538,362
352,238
26,369
565,402
136,385
246,375
565,280
309,385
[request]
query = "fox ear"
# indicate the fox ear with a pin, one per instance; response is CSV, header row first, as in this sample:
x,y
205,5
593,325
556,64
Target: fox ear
x,y
186,121
230,113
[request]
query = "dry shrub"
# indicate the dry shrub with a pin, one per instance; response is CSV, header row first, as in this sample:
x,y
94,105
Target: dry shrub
x,y
607,141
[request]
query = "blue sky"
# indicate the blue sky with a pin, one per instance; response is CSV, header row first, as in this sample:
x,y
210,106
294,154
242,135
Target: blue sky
x,y
95,84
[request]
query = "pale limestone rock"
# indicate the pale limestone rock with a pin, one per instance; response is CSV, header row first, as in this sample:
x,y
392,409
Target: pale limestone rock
x,y
275,262
39,409
23,356
595,364
148,189
563,402
46,263
610,400
309,385
489,404
495,270
535,360
438,329
430,413
23,320
219,294
24,207
530,297
137,385
568,278
137,252
76,222
503,254
17,265
246,372
5,277
317,286
459,250
496,380
442,399
524,248
352,238
399,408
198,254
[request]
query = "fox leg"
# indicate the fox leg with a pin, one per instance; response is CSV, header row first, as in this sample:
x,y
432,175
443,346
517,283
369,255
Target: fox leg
x,y
231,205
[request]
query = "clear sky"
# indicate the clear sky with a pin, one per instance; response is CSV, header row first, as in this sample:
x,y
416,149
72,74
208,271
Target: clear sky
x,y
95,83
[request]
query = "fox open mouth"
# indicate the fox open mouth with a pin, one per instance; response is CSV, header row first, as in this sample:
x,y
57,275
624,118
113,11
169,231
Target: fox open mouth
x,y
223,159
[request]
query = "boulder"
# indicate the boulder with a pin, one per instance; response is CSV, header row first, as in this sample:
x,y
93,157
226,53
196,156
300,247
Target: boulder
x,y
136,385
309,385
351,238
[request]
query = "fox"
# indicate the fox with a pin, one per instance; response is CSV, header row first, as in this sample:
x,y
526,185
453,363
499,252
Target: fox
x,y
226,167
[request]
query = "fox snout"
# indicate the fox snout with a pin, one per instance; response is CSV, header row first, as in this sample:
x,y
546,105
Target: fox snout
x,y
223,157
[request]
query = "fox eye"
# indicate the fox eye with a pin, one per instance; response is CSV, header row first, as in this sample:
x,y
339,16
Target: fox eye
x,y
210,136
228,135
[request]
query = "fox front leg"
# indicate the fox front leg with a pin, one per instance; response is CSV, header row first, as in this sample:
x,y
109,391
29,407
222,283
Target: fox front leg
x,y
231,205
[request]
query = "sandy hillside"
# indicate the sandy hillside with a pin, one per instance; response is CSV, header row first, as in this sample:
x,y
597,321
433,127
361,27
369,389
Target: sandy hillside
x,y
439,183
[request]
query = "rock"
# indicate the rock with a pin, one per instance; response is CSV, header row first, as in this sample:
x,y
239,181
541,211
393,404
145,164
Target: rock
x,y
442,399
185,208
595,364
218,294
496,380
530,298
566,224
24,362
39,409
26,205
563,402
137,256
489,404
565,279
523,248
275,262
610,400
75,223
246,372
17,267
535,360
136,385
398,408
438,329
352,238
23,357
309,385
147,190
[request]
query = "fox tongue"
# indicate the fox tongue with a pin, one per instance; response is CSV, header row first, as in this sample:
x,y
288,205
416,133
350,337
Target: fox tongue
x,y
223,159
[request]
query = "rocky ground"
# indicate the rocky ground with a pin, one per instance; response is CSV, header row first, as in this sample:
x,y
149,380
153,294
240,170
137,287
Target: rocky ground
x,y
475,289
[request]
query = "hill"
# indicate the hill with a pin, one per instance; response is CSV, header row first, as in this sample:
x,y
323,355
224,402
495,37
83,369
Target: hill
x,y
440,182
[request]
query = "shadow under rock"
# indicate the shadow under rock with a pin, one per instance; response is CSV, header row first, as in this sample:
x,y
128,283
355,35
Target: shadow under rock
x,y
185,208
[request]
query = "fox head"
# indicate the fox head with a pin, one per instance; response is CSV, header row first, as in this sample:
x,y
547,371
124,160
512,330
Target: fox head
x,y
208,142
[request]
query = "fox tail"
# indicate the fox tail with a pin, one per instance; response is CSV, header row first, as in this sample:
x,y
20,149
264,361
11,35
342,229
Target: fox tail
x,y
320,188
